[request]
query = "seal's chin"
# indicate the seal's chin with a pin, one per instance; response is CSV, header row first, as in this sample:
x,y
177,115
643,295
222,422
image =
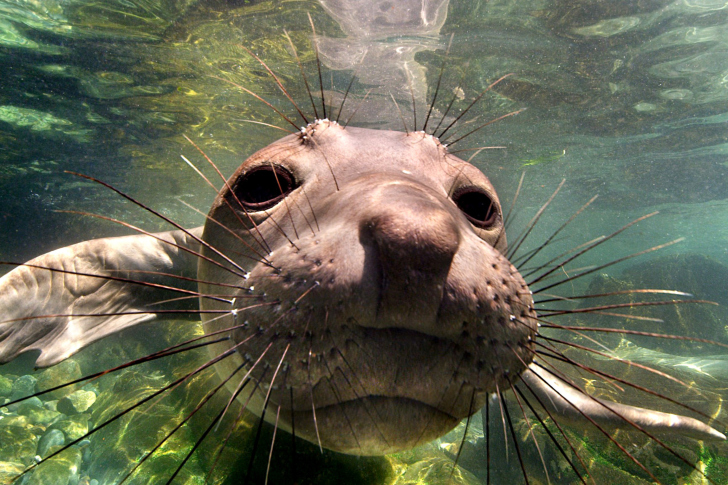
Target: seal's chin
x,y
374,425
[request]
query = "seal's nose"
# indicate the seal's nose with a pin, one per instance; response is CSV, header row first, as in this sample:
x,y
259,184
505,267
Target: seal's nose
x,y
415,237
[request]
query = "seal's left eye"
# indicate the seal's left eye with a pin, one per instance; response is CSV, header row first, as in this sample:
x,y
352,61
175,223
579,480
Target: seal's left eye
x,y
478,207
263,187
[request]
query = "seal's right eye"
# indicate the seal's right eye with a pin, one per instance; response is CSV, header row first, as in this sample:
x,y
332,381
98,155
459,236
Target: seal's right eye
x,y
263,187
478,206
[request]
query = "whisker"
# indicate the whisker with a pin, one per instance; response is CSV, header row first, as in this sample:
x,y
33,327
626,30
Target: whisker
x,y
244,89
361,103
182,422
547,312
555,233
606,265
507,219
437,86
278,82
401,116
532,223
465,432
173,350
649,435
605,375
346,94
530,429
303,73
556,423
163,217
318,65
507,115
269,125
120,279
260,258
272,443
634,332
615,293
172,385
477,98
598,241
596,425
262,416
553,438
486,419
452,102
263,244
414,105
478,149
513,436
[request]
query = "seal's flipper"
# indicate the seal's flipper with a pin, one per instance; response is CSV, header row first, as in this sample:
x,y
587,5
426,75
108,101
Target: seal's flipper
x,y
66,299
573,406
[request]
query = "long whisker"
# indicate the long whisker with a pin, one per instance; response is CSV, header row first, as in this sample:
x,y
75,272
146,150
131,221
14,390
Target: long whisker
x,y
530,429
172,385
318,65
465,435
615,293
303,73
263,244
596,425
477,98
272,444
278,82
548,241
244,89
532,223
182,422
163,217
401,116
361,103
606,265
634,332
646,433
507,115
262,416
437,86
132,281
515,440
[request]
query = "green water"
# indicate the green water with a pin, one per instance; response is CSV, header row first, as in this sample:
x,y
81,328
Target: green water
x,y
628,100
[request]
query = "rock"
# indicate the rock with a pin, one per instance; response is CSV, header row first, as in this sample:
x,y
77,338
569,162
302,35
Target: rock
x,y
57,375
18,444
73,427
61,470
6,386
21,421
76,402
10,470
22,386
50,442
38,414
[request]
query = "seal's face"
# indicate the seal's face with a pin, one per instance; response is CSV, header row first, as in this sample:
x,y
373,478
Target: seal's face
x,y
377,302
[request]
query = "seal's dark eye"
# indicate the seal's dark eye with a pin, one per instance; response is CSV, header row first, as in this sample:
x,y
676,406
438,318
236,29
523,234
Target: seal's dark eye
x,y
263,187
477,206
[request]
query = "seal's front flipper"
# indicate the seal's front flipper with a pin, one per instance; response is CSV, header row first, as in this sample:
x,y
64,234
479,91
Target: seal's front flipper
x,y
63,300
576,408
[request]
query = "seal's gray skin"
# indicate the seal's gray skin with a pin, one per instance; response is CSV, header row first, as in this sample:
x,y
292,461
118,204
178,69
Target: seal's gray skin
x,y
365,291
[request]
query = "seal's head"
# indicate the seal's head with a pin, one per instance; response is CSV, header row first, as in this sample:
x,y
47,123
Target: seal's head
x,y
375,266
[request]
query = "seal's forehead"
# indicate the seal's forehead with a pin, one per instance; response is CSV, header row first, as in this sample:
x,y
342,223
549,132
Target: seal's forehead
x,y
325,146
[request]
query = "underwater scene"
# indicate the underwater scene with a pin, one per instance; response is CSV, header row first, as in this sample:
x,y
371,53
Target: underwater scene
x,y
602,129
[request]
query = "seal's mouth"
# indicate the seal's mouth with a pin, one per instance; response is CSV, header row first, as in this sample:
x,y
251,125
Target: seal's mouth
x,y
374,425
373,391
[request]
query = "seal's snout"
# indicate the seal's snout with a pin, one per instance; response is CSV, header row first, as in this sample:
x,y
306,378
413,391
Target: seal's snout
x,y
415,238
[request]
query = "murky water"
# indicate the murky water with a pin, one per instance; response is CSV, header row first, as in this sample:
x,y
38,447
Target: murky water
x,y
628,100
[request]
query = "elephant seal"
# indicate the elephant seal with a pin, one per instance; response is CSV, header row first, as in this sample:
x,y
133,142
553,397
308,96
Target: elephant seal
x,y
360,276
